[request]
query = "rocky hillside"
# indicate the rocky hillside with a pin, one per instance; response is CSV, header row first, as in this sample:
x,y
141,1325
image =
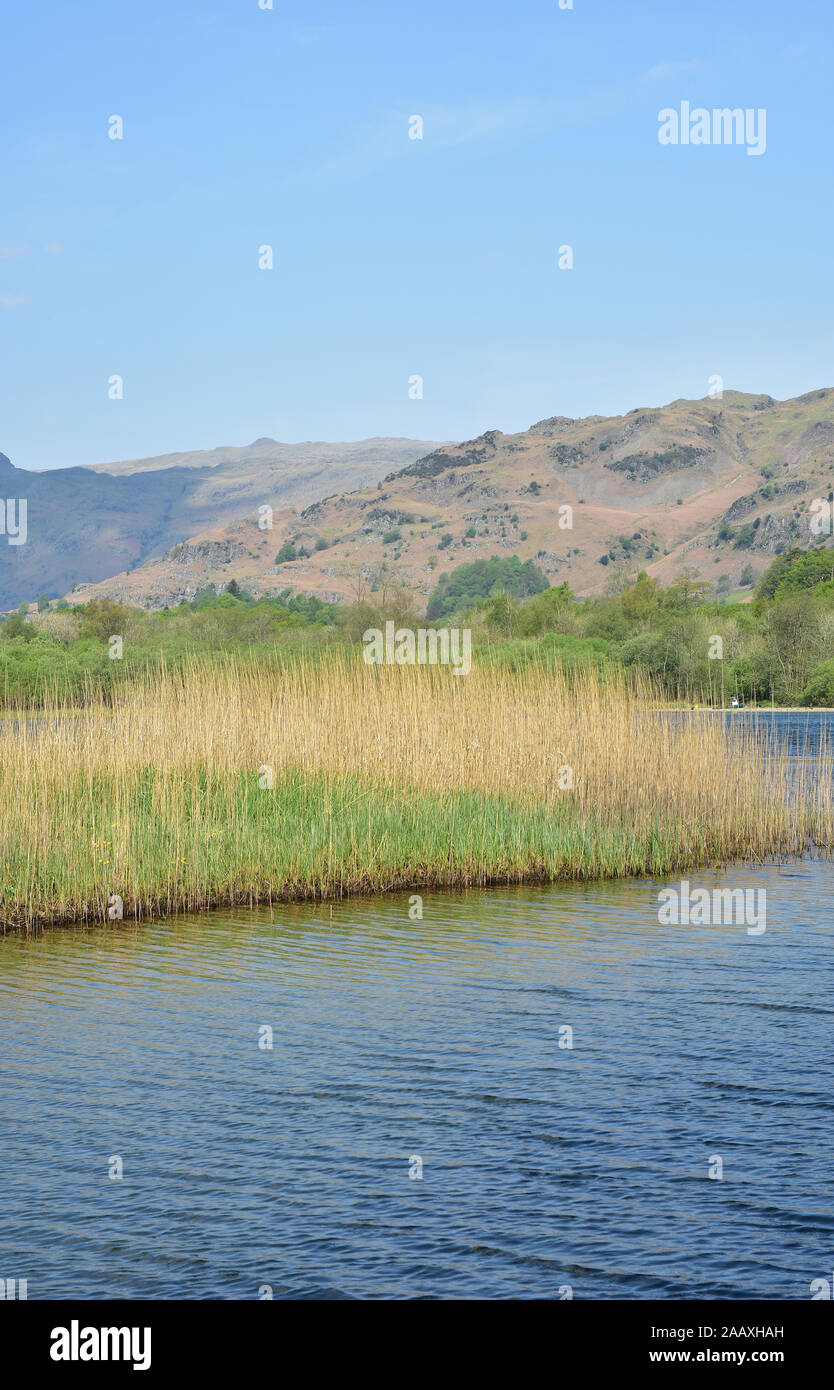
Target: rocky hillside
x,y
718,486
87,524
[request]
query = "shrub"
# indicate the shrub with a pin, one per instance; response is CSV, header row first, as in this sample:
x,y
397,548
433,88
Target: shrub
x,y
482,578
820,688
744,538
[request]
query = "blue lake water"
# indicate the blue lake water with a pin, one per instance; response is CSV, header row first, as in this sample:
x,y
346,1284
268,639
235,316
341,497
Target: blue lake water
x,y
543,1167
795,732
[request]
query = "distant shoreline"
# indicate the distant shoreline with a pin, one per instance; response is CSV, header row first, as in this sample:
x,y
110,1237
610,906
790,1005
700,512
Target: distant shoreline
x,y
753,709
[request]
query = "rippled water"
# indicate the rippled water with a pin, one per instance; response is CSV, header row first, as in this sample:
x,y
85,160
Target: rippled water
x,y
542,1166
797,733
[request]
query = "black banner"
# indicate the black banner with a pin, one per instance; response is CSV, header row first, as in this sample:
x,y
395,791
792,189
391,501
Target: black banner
x,y
61,1339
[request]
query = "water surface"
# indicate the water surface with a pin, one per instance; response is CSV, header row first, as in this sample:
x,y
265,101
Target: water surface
x,y
543,1167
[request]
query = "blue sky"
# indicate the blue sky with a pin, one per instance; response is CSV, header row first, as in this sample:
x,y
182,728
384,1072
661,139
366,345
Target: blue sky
x,y
393,257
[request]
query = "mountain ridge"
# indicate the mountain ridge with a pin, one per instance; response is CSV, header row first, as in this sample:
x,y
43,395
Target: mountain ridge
x,y
718,484
87,524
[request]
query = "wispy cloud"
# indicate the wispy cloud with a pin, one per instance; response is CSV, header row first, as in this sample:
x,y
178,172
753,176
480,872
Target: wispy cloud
x,y
448,126
385,141
378,144
666,70
13,250
13,301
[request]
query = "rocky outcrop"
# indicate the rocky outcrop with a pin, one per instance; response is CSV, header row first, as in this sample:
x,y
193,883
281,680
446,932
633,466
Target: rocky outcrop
x,y
206,553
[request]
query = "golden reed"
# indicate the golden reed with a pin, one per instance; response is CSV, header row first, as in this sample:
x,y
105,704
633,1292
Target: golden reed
x,y
256,781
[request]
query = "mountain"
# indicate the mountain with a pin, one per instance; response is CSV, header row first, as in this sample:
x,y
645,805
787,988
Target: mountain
x,y
711,485
88,524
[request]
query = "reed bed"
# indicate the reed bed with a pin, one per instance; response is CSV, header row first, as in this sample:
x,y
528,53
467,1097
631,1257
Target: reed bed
x,y
258,782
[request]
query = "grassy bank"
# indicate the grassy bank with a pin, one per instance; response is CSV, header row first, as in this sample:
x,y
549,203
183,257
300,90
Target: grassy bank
x,y
262,781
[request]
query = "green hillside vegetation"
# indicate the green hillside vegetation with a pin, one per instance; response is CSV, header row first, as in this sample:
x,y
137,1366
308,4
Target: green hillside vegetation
x,y
481,578
695,646
67,650
779,648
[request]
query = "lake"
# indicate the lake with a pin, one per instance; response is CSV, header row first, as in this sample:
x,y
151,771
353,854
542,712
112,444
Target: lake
x,y
396,1043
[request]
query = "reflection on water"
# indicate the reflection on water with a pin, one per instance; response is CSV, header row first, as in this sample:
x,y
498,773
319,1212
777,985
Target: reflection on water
x,y
542,1166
